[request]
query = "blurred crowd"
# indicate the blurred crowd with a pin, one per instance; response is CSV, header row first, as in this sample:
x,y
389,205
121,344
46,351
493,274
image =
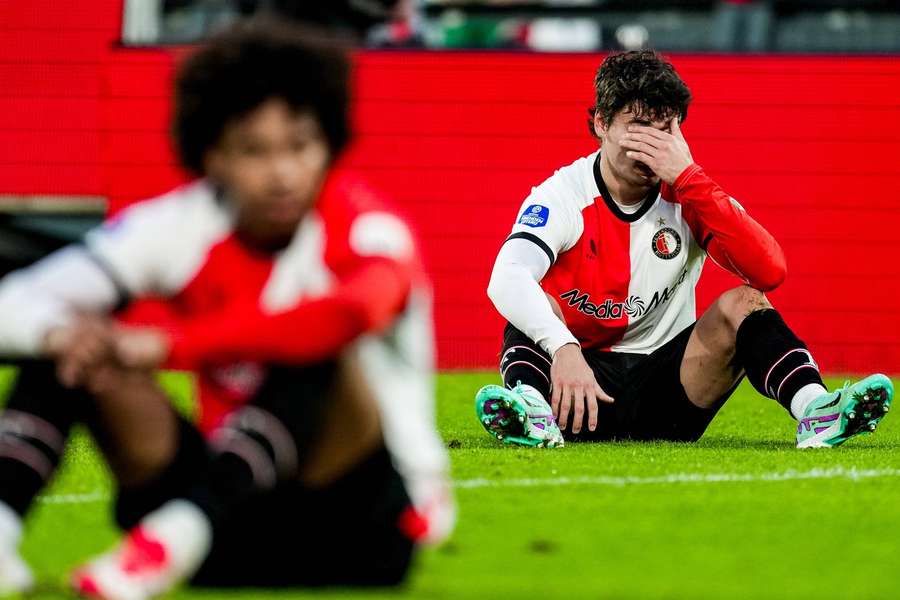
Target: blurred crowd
x,y
789,26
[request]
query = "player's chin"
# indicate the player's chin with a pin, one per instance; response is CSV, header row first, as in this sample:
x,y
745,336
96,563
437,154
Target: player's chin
x,y
645,176
267,229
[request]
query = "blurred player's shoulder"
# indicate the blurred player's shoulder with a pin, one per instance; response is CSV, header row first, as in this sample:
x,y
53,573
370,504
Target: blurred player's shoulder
x,y
362,221
189,212
197,196
346,195
160,243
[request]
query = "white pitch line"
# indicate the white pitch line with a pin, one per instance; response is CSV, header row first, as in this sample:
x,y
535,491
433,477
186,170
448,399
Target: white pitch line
x,y
74,498
851,473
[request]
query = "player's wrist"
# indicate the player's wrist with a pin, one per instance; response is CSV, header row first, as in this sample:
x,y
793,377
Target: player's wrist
x,y
569,348
685,176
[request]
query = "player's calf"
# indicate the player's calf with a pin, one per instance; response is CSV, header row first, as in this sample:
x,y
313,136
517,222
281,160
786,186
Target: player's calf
x,y
518,412
33,431
779,365
257,447
252,452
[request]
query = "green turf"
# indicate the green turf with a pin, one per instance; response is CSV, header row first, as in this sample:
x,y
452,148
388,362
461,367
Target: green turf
x,y
813,538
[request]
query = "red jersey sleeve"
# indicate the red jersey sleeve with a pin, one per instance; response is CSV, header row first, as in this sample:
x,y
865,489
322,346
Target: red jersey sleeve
x,y
728,234
366,299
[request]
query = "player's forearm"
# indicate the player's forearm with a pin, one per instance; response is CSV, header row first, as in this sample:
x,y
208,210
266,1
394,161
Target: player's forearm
x,y
298,337
46,295
313,331
732,238
519,298
26,318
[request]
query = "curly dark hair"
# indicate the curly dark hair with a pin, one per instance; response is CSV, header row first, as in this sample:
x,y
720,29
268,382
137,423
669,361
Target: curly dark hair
x,y
640,80
250,62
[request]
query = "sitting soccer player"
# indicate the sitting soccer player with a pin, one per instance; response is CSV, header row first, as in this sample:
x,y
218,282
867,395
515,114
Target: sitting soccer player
x,y
597,283
297,297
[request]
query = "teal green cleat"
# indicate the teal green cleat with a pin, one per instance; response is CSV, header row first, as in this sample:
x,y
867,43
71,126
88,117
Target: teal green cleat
x,y
832,419
515,417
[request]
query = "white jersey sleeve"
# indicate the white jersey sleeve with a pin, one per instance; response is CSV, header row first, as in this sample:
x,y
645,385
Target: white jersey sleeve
x,y
549,223
550,217
152,248
518,297
46,295
155,247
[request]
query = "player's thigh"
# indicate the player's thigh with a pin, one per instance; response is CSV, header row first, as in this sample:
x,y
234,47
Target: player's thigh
x,y
345,535
661,408
609,370
708,367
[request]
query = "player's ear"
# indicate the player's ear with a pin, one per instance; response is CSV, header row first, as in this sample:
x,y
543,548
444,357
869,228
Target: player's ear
x,y
599,125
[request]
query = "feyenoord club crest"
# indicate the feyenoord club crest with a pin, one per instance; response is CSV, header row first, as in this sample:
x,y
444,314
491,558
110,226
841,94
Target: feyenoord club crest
x,y
666,243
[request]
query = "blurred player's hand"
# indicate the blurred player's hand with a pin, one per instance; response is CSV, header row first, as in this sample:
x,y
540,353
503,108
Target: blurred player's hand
x,y
667,154
142,347
79,347
574,389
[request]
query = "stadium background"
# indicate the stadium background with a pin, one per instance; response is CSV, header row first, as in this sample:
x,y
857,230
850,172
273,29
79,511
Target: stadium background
x,y
810,145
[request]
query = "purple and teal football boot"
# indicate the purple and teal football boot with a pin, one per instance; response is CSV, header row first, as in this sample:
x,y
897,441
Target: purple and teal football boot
x,y
517,417
833,418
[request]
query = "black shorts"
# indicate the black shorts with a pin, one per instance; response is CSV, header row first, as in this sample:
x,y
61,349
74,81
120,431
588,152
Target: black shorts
x,y
651,403
346,534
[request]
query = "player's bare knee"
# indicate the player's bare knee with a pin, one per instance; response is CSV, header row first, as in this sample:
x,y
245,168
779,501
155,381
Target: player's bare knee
x,y
737,303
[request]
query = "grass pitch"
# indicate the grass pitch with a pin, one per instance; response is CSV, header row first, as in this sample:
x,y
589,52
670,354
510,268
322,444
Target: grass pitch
x,y
741,514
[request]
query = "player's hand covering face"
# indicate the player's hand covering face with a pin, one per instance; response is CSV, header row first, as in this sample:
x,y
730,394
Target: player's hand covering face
x,y
272,163
640,152
666,154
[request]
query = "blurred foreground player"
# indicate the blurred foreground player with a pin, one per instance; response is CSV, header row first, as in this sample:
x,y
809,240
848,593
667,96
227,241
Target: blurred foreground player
x,y
597,283
297,297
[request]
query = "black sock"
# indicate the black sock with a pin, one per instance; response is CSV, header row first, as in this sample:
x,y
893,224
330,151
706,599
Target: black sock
x,y
777,362
524,362
243,464
191,459
33,432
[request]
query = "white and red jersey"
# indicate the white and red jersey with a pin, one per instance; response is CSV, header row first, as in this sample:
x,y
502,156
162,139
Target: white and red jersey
x,y
625,282
350,281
